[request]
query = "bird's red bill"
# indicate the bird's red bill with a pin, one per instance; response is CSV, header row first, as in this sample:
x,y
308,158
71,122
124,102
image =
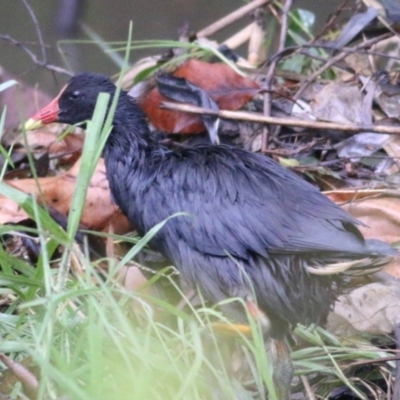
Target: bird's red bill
x,y
49,113
46,115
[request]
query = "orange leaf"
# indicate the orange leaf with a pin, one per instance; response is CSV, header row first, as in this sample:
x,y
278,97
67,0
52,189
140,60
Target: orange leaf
x,y
99,211
226,87
379,211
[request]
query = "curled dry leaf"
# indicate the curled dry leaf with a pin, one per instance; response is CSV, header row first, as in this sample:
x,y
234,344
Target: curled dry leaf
x,y
70,146
46,139
379,211
100,213
338,102
226,87
373,309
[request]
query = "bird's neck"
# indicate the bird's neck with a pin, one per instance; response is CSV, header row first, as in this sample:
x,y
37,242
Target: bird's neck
x,y
130,139
130,155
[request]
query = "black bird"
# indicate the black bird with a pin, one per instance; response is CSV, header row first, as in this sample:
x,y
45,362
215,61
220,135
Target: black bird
x,y
253,228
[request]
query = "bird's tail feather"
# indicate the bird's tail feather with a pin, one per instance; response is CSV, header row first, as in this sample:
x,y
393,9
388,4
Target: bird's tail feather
x,y
364,266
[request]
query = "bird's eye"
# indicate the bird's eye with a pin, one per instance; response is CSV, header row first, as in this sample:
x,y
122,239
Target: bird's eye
x,y
75,95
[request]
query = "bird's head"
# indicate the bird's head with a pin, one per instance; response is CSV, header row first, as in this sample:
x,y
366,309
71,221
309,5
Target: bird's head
x,y
75,103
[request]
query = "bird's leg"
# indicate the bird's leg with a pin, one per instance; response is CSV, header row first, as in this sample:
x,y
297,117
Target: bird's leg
x,y
283,368
278,353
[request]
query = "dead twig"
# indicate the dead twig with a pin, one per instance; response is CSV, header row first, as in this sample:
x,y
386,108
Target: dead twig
x,y
34,58
232,17
307,387
334,60
289,153
331,21
289,51
253,117
255,52
271,70
375,360
239,38
38,30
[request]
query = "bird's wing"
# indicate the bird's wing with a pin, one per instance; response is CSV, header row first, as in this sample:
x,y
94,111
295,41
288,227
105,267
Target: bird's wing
x,y
241,203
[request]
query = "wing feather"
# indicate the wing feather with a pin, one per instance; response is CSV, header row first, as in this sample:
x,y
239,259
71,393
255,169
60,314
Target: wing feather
x,y
241,203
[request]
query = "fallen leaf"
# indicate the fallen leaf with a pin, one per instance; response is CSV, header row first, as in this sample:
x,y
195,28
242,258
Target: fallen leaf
x,y
372,308
49,140
99,210
226,87
338,102
46,139
379,211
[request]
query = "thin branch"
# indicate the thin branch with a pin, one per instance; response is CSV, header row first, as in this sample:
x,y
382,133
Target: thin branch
x,y
256,46
345,50
289,51
38,30
333,18
307,387
239,38
379,360
271,70
34,58
333,61
232,17
263,119
284,24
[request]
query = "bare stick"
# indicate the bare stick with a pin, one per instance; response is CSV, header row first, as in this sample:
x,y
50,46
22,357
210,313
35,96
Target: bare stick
x,y
381,359
255,52
271,70
239,38
263,119
38,30
34,58
334,60
332,20
232,17
307,387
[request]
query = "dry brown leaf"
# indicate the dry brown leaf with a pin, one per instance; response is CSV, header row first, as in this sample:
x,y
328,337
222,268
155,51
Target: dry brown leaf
x,y
99,211
390,50
392,148
338,102
227,88
360,63
381,215
379,210
373,308
48,139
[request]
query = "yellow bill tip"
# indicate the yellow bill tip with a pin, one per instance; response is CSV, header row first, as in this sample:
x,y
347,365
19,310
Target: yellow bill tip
x,y
32,124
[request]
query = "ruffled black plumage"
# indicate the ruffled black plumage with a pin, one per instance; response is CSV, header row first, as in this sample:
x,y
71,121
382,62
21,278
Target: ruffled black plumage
x,y
252,226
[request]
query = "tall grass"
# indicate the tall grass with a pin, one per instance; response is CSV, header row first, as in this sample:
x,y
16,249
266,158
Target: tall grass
x,y
90,338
